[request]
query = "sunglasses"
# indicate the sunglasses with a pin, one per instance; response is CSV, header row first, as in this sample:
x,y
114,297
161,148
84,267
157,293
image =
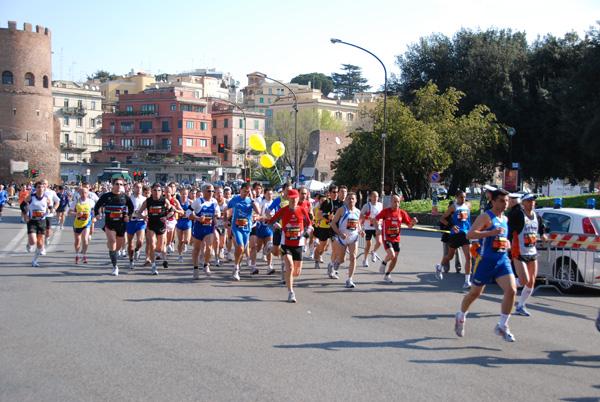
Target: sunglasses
x,y
119,184
210,191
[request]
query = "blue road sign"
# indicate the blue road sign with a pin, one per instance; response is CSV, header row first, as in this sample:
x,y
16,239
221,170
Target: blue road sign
x,y
70,170
301,177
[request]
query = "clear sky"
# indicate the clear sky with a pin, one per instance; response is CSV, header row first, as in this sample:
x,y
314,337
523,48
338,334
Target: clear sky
x,y
277,37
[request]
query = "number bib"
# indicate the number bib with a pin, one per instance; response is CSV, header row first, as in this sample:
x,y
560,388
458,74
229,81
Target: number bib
x,y
293,233
462,216
37,214
352,224
241,223
500,244
207,221
529,240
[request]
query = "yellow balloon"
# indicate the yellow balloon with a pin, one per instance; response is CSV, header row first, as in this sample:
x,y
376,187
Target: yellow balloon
x,y
257,143
267,161
278,148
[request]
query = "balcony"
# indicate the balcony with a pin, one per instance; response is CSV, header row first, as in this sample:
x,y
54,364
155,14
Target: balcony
x,y
138,148
73,111
136,113
72,146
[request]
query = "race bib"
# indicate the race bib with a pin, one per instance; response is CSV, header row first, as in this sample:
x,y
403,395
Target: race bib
x,y
500,244
392,232
293,233
155,210
37,214
462,216
207,221
352,224
529,240
84,217
241,223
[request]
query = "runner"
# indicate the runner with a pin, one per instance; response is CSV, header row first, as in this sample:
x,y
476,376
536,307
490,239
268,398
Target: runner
x,y
346,224
221,226
117,211
372,227
172,221
52,206
229,243
393,217
294,221
459,215
257,189
34,208
184,225
311,240
204,211
274,247
81,208
159,210
329,209
264,232
322,227
62,206
136,227
304,201
241,207
3,199
492,264
525,225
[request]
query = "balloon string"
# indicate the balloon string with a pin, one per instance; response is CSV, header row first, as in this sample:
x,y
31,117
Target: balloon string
x,y
277,170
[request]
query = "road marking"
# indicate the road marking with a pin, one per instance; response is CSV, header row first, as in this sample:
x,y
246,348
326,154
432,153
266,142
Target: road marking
x,y
18,239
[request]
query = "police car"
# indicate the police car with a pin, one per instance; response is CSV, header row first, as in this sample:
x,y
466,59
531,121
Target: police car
x,y
566,262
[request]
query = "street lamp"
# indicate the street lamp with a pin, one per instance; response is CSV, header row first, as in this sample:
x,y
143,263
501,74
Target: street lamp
x,y
383,134
210,99
295,107
510,132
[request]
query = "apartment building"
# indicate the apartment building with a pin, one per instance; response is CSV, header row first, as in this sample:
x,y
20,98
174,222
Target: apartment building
x,y
79,110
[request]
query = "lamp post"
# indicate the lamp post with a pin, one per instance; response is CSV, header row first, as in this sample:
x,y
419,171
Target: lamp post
x,y
295,107
383,134
510,132
210,99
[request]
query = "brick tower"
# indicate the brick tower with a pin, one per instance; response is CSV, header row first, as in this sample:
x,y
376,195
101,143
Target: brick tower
x,y
29,131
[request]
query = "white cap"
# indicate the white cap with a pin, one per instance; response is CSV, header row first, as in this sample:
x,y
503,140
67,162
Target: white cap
x,y
487,187
514,195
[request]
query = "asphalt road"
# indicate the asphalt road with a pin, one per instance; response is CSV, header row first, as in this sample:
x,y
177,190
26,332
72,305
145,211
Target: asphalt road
x,y
75,333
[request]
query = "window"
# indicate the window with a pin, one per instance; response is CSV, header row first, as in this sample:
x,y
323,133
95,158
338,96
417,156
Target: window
x,y
338,115
66,138
79,121
127,142
350,116
256,124
214,123
180,141
129,108
225,140
557,222
66,103
268,100
214,140
127,126
147,108
186,108
241,123
199,109
45,81
65,121
189,125
126,92
93,105
203,143
261,100
118,91
179,123
270,91
146,142
80,104
225,123
173,107
269,112
112,127
145,126
203,126
92,122
7,78
29,80
189,142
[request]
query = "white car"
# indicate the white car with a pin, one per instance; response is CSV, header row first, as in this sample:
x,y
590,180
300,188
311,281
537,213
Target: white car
x,y
565,262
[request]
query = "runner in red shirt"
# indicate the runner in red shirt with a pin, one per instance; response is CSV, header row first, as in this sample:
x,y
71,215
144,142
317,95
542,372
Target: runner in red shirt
x,y
294,220
393,217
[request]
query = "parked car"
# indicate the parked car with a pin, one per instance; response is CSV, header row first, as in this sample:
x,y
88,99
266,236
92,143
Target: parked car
x,y
577,265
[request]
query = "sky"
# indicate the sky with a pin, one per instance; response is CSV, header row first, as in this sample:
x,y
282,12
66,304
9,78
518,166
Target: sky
x,y
281,39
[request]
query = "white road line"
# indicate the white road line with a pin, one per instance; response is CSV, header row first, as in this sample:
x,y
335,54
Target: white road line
x,y
19,239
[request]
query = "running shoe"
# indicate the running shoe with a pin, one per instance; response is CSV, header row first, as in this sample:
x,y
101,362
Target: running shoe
x,y
520,310
28,247
115,271
254,271
236,274
185,248
304,249
196,274
180,259
84,259
207,270
165,264
373,258
35,264
217,263
157,258
331,272
270,270
317,265
382,269
76,259
291,297
131,265
349,283
221,253
282,281
504,332
264,258
229,256
321,259
311,255
467,285
365,263
459,326
438,272
147,263
169,249
47,241
268,247
154,270
388,278
43,252
136,256
458,268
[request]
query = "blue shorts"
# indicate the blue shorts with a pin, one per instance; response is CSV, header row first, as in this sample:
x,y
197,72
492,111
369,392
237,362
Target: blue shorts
x,y
183,224
264,231
240,236
486,269
199,231
134,226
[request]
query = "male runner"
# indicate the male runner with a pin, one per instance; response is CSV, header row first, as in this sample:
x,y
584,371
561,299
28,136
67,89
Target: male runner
x,y
491,264
184,225
35,207
372,228
204,211
54,203
136,227
81,208
3,199
63,205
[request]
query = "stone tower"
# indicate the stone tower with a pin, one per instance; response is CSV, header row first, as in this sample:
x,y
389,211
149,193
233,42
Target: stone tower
x,y
29,130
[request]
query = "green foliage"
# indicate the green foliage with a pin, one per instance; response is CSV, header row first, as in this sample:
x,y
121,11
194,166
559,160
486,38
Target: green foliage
x,y
350,82
103,76
572,201
266,175
318,81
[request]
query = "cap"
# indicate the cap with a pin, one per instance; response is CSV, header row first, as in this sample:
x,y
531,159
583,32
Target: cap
x,y
529,197
227,188
293,193
514,195
487,187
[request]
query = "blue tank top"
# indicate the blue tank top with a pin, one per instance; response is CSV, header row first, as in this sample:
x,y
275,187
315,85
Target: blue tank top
x,y
461,218
495,247
183,218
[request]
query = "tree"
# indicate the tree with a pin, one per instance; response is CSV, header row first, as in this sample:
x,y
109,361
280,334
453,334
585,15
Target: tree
x,y
103,76
309,120
350,82
318,81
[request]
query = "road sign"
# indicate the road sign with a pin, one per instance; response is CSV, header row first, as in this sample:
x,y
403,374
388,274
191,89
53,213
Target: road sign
x,y
302,177
434,185
434,177
88,172
70,170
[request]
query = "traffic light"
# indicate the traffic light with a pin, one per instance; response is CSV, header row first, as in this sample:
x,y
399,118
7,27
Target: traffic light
x,y
221,148
246,175
26,173
35,173
135,176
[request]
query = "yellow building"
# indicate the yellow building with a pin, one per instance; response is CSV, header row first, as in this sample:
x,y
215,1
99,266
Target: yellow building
x,y
133,83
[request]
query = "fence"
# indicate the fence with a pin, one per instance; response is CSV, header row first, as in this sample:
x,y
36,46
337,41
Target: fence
x,y
570,260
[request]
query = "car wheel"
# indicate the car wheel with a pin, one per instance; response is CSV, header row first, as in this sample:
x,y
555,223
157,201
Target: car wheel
x,y
566,270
